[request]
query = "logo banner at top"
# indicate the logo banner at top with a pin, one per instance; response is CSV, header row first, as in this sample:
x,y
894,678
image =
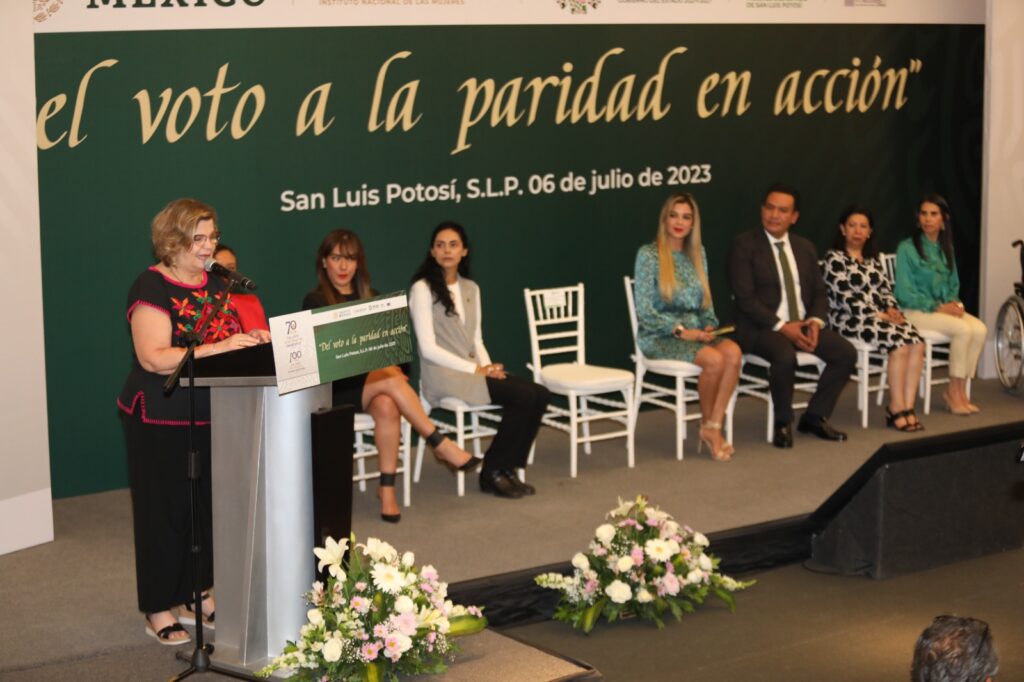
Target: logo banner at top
x,y
73,16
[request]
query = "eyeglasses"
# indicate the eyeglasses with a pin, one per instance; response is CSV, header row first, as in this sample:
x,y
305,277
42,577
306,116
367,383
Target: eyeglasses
x,y
198,239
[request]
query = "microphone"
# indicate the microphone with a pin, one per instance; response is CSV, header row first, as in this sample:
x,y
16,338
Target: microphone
x,y
210,265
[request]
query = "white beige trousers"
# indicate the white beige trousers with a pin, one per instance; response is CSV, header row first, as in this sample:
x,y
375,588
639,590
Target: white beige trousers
x,y
967,336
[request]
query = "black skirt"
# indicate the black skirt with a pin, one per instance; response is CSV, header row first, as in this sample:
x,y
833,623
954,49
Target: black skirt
x,y
158,477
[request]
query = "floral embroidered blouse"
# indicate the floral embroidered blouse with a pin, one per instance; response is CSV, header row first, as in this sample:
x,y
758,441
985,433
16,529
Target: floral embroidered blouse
x,y
187,306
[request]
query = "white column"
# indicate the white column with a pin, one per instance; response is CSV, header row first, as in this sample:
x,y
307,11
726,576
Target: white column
x,y
24,456
1003,183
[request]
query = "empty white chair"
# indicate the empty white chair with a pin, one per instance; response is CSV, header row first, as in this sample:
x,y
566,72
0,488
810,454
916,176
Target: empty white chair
x,y
556,322
655,394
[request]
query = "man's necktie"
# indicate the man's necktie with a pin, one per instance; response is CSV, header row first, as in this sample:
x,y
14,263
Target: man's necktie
x,y
787,281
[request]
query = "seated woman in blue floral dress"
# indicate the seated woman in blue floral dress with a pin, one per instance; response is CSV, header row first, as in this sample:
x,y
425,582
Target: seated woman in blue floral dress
x,y
676,315
862,306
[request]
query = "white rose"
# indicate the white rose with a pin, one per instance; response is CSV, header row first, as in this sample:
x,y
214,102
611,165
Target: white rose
x,y
618,592
579,560
643,596
332,650
624,564
604,533
704,561
408,559
316,619
695,577
701,540
404,605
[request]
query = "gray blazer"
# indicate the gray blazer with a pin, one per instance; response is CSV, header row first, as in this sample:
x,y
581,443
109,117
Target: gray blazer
x,y
456,338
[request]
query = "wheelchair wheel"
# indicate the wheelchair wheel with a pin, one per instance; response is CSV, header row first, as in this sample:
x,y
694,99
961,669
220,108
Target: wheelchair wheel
x,y
1009,337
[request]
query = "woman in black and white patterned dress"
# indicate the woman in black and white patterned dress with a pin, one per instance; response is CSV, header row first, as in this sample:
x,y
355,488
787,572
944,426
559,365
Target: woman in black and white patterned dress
x,y
862,306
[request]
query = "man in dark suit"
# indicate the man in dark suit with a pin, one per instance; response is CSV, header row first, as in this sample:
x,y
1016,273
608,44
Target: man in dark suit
x,y
781,308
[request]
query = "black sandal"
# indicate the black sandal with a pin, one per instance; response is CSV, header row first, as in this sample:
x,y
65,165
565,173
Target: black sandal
x,y
189,617
388,481
164,635
436,438
892,417
915,425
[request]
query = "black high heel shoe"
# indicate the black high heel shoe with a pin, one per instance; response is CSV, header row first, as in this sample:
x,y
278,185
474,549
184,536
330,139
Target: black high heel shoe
x,y
436,438
388,481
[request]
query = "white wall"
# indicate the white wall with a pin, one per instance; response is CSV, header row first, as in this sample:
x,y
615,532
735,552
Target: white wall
x,y
24,456
1003,188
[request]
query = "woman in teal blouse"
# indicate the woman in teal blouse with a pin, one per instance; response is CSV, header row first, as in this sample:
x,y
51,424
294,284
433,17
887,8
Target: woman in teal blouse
x,y
928,290
677,317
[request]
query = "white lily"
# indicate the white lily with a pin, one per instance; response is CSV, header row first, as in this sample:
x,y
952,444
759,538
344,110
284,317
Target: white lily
x,y
331,555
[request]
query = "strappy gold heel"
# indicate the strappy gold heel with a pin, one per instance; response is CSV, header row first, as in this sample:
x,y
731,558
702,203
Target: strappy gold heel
x,y
724,453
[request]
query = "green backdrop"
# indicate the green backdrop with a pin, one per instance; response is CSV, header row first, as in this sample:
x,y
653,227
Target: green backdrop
x,y
98,196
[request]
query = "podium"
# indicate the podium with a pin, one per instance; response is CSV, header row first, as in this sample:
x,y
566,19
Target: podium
x,y
281,481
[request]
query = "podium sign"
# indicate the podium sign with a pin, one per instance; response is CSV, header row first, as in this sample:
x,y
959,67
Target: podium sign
x,y
313,347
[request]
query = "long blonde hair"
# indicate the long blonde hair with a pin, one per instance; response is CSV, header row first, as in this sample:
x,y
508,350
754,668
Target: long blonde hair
x,y
667,283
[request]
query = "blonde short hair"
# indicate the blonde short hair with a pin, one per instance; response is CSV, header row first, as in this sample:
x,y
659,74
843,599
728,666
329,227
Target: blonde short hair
x,y
175,225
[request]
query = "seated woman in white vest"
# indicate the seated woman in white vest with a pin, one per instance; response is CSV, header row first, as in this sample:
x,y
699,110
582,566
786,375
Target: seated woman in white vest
x,y
445,308
342,276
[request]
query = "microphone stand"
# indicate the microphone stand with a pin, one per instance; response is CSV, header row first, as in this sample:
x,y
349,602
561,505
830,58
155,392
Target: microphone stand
x,y
199,661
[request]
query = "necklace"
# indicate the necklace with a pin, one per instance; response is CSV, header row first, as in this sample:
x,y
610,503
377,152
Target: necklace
x,y
178,276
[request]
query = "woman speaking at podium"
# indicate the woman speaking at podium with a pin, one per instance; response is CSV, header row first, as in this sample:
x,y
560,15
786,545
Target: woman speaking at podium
x,y
165,303
342,276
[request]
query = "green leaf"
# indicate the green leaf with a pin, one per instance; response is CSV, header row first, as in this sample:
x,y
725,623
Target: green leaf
x,y
591,615
371,672
462,626
726,597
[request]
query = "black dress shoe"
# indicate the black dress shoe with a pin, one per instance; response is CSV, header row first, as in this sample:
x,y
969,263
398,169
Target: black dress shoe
x,y
526,488
820,427
498,483
783,437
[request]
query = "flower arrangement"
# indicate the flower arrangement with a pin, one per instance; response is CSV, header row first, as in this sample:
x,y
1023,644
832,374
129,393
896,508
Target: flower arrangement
x,y
641,562
376,616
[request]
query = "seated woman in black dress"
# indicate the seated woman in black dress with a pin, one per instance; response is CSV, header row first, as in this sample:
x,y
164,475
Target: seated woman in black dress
x,y
385,393
862,306
445,308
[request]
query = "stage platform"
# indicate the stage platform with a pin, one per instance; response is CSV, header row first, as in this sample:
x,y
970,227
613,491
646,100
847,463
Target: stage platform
x,y
480,535
69,606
